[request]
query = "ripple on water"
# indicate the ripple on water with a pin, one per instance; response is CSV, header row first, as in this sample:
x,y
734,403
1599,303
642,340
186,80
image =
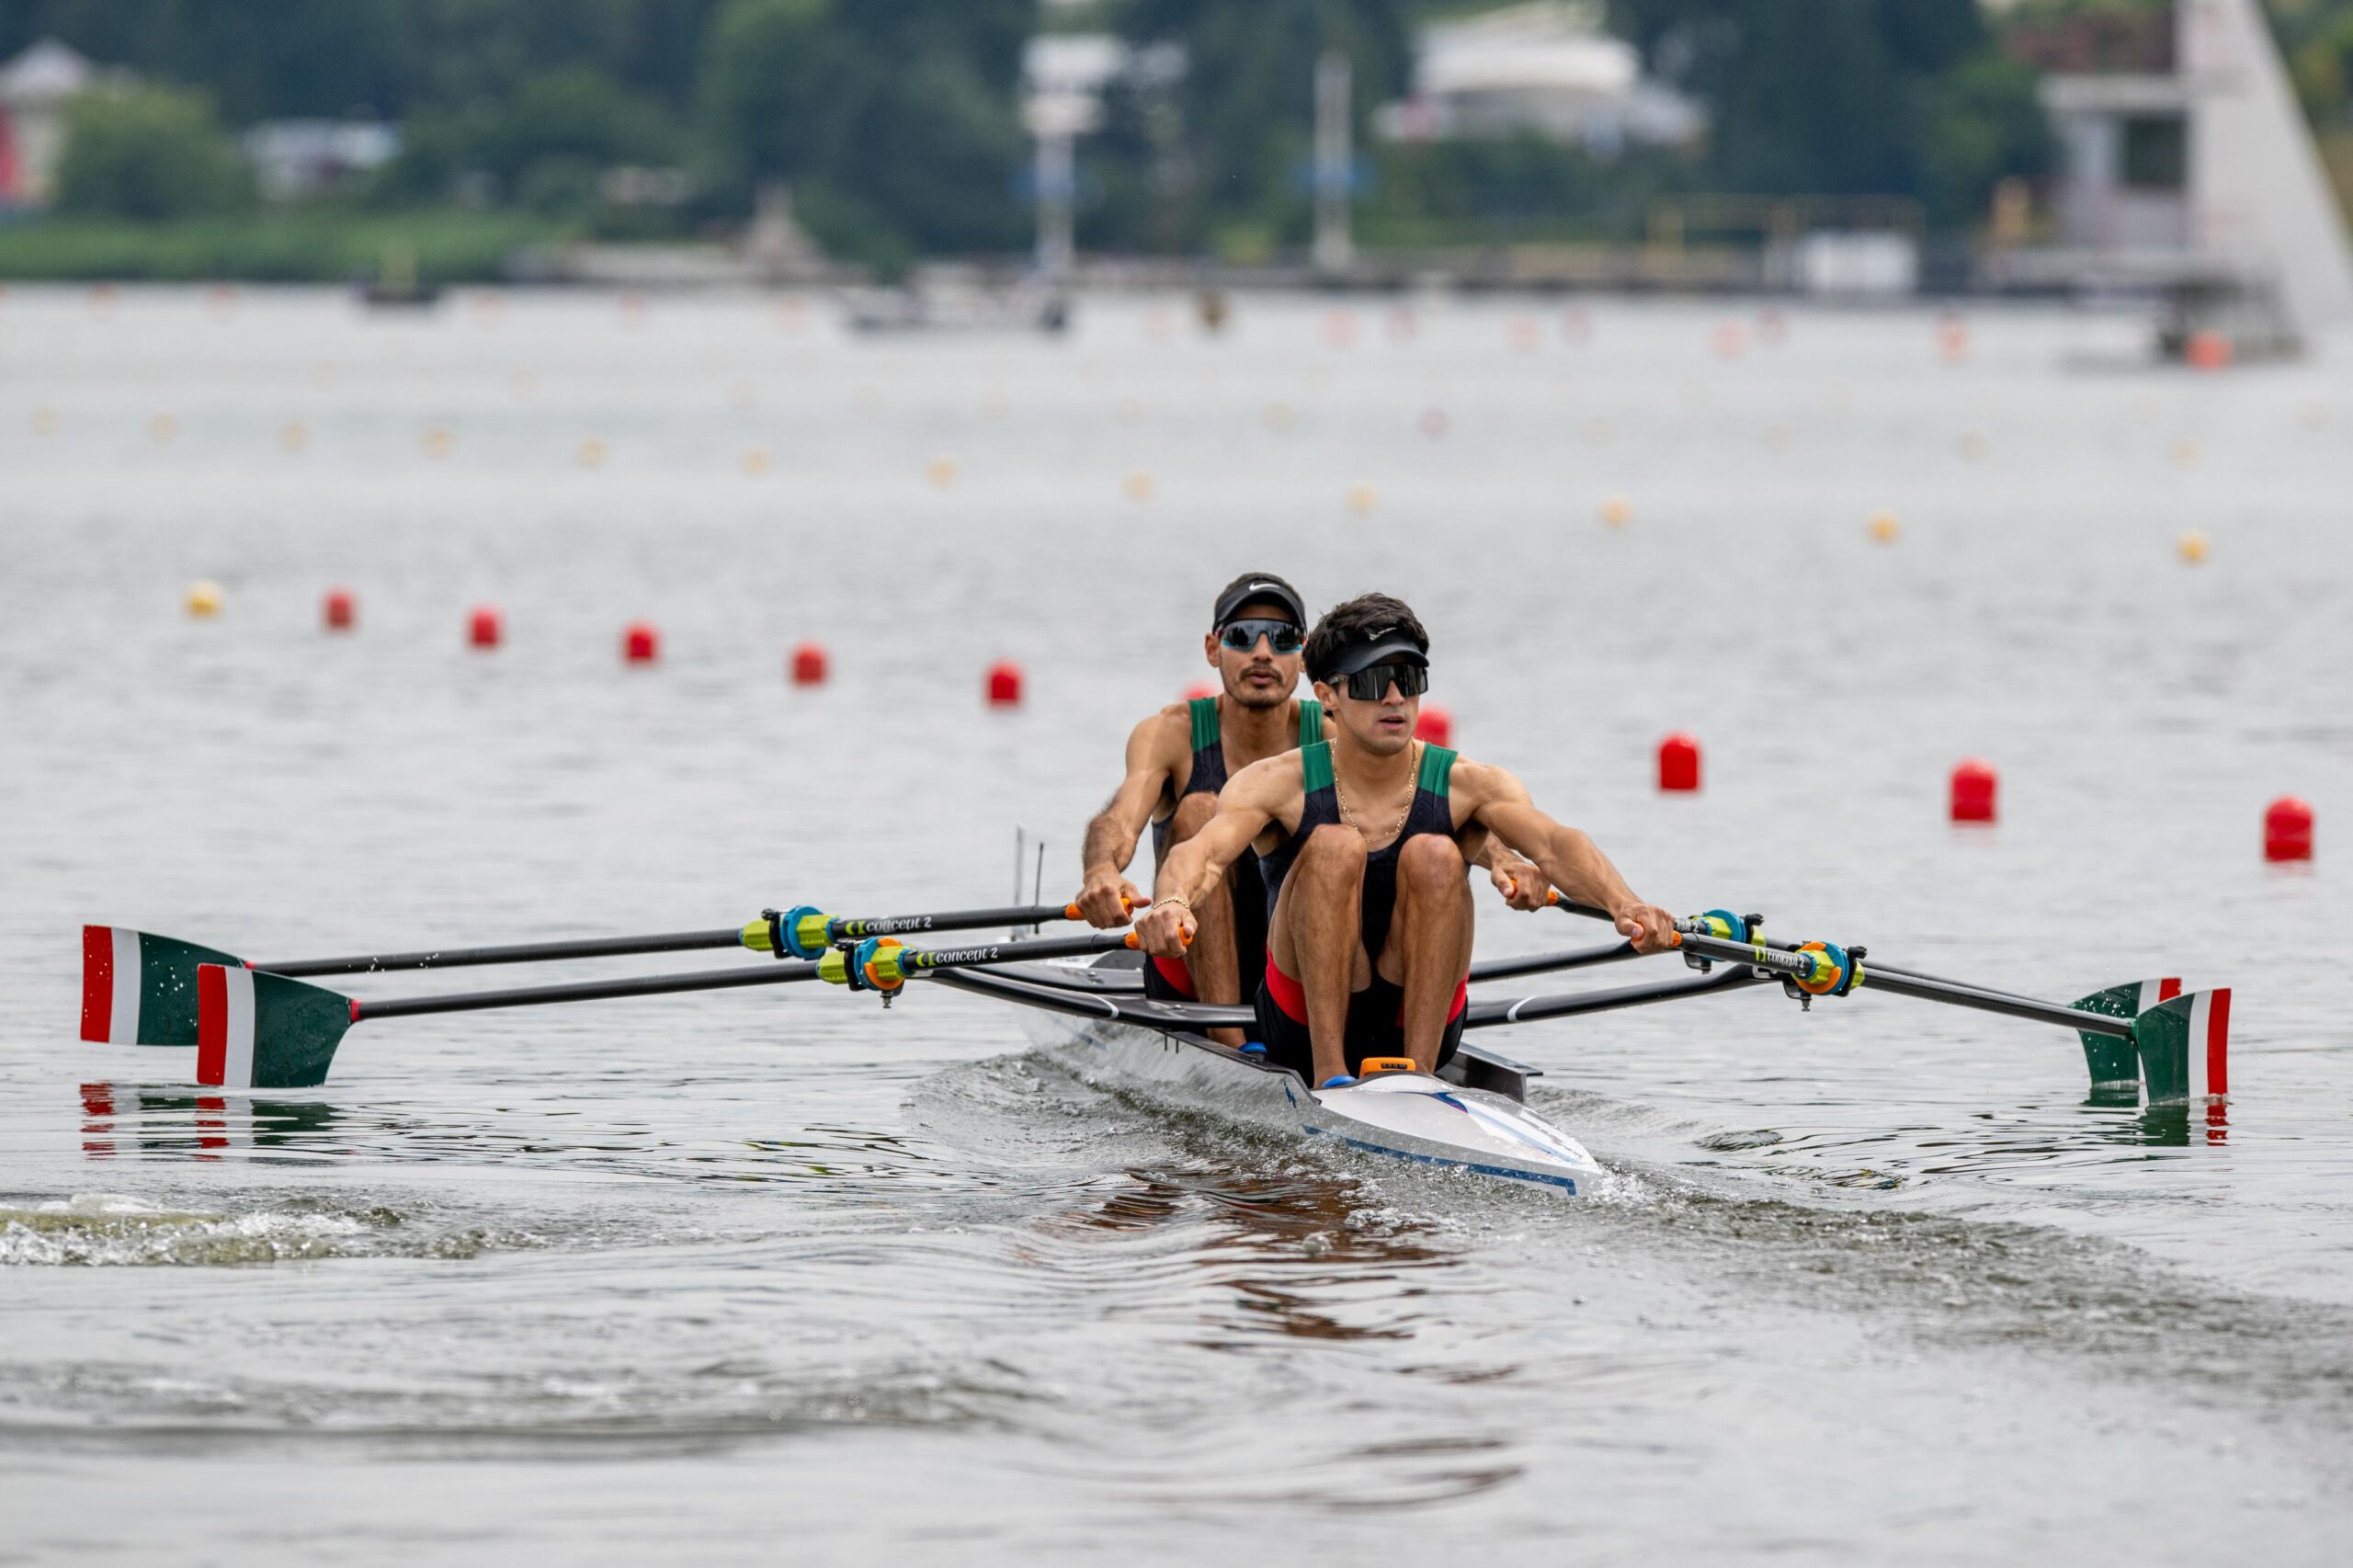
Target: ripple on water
x,y
98,1229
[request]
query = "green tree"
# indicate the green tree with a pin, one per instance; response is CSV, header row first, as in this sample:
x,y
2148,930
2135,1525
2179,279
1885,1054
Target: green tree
x,y
148,153
894,120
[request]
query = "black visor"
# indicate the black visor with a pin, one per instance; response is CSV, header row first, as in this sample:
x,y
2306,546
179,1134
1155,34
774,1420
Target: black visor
x,y
1393,646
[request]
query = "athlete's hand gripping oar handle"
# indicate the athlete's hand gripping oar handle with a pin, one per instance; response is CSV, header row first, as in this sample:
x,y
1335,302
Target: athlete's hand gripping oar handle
x,y
880,963
808,932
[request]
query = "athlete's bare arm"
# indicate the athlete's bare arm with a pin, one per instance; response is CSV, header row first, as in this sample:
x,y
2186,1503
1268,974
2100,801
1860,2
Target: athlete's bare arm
x,y
1261,794
1157,748
1494,798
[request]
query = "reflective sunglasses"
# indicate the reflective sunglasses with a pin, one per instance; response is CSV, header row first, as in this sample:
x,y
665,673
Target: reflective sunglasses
x,y
1242,635
1371,683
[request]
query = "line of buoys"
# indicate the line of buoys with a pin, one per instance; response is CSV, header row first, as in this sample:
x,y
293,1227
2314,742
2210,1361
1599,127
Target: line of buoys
x,y
640,642
1004,683
340,610
2288,829
1974,783
1678,763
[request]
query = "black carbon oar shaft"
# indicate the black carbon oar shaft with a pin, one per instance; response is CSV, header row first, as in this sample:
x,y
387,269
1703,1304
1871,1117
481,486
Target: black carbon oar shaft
x,y
586,991
514,952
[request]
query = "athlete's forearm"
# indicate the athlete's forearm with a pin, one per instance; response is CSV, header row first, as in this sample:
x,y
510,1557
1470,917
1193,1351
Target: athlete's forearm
x,y
1110,843
1582,873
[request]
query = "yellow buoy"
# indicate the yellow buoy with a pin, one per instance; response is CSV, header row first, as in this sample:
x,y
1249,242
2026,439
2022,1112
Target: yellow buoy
x,y
755,461
294,436
439,443
2185,453
203,598
1973,446
1885,528
940,473
1360,499
2193,547
163,429
593,453
1139,486
46,421
1616,512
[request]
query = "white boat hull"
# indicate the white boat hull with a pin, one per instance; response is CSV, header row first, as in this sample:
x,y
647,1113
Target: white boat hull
x,y
1408,1115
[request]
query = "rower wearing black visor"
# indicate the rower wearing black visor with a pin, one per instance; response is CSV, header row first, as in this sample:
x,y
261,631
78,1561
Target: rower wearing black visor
x,y
1362,840
1177,761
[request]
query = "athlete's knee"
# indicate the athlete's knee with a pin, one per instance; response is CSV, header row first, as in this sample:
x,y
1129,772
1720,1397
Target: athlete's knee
x,y
1334,848
1192,815
1429,861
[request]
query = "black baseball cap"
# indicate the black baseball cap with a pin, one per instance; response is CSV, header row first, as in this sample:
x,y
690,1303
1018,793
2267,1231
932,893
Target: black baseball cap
x,y
1384,644
1259,587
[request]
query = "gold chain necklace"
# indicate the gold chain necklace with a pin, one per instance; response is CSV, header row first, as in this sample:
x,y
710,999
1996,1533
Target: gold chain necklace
x,y
1349,817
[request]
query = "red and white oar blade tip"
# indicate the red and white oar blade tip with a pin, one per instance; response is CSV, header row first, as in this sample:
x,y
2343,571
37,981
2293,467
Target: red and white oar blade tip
x,y
139,988
2184,1045
256,1030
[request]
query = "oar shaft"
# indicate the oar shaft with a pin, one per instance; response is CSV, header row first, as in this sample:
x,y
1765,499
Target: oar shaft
x,y
951,920
514,952
1876,979
585,991
1546,963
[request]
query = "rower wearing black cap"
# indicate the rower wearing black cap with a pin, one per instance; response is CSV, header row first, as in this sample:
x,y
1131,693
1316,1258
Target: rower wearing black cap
x,y
1362,840
1180,757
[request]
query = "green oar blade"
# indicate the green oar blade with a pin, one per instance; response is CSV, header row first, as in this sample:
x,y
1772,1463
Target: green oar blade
x,y
2186,1048
258,1030
2114,1063
139,988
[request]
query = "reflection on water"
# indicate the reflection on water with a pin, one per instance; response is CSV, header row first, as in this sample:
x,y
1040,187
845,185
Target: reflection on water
x,y
140,1121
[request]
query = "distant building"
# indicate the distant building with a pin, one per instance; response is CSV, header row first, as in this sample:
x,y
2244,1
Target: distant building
x,y
2186,166
1547,68
298,158
34,89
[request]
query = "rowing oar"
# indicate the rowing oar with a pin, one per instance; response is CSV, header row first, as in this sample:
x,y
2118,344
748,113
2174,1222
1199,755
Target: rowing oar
x,y
2144,1031
260,1029
139,989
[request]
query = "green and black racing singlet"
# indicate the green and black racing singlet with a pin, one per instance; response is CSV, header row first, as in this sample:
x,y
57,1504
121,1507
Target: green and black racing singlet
x,y
1250,900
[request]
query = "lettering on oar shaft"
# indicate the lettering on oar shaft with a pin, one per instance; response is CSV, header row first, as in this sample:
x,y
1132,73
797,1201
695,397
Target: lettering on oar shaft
x,y
961,955
886,927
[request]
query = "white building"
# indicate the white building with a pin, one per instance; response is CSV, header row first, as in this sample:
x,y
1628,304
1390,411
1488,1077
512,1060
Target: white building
x,y
34,89
295,158
1547,68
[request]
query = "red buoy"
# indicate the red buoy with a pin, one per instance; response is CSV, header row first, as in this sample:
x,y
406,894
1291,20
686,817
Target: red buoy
x,y
1004,683
2207,350
486,627
640,644
1199,689
1435,726
809,664
1973,783
2288,829
341,611
1678,762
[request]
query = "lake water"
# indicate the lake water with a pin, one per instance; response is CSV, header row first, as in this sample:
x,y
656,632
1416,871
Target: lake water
x,y
776,1276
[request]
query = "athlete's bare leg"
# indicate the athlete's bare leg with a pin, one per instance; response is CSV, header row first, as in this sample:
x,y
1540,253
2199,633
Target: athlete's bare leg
x,y
1217,969
1430,939
1316,936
